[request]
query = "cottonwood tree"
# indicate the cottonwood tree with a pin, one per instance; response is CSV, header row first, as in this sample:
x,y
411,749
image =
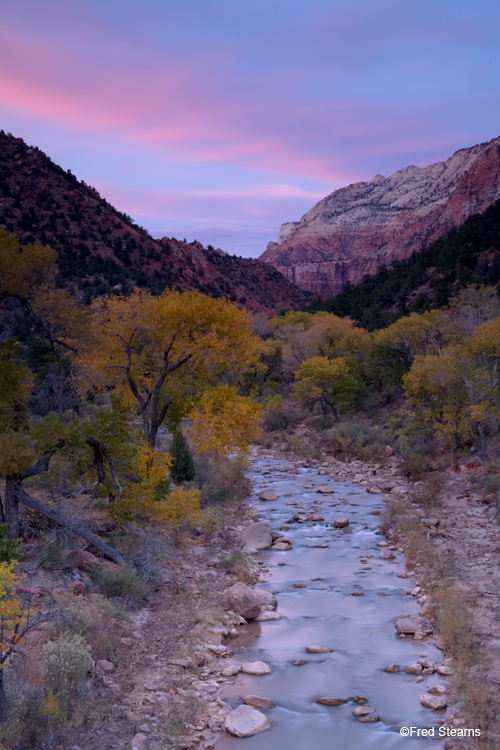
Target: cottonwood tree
x,y
224,421
160,353
327,382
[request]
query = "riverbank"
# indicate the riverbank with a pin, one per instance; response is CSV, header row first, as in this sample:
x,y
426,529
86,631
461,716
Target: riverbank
x,y
178,651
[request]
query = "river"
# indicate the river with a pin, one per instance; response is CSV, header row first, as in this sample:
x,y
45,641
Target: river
x,y
359,629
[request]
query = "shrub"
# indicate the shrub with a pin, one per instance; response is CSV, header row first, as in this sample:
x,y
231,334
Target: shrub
x,y
123,583
9,548
182,469
357,439
67,661
223,479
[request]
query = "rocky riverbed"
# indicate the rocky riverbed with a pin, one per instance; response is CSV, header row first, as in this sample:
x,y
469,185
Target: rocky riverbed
x,y
349,654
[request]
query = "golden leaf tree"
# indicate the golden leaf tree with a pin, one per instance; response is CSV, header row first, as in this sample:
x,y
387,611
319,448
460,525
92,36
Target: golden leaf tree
x,y
161,353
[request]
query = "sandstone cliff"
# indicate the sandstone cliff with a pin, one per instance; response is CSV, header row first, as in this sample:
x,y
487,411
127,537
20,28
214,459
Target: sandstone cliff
x,y
357,229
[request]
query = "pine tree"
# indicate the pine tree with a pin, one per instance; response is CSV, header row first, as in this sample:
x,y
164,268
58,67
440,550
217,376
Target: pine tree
x,y
182,469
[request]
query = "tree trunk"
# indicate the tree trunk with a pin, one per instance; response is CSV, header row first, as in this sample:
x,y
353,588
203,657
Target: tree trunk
x,y
3,707
453,450
68,523
484,447
12,507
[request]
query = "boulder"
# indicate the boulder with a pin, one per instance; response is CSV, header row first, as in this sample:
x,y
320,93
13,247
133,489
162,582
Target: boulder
x,y
392,668
375,490
411,625
386,554
341,523
388,451
140,741
444,671
105,666
369,719
231,671
245,721
363,711
324,490
268,495
257,702
265,597
330,701
319,650
256,667
267,616
243,601
414,669
436,702
256,536
437,690
299,662
282,546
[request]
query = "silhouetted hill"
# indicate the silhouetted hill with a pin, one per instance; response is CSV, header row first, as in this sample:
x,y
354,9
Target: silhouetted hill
x,y
102,250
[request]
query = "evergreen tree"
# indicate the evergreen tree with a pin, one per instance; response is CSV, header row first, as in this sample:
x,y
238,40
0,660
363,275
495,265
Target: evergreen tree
x,y
182,469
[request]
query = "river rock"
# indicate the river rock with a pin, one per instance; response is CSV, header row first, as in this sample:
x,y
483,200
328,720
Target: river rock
x,y
299,662
392,668
341,523
243,601
375,490
256,667
268,495
267,616
437,690
256,536
319,650
386,554
140,741
231,671
436,702
282,546
257,702
266,598
414,669
411,625
330,701
369,719
324,490
444,671
363,711
245,721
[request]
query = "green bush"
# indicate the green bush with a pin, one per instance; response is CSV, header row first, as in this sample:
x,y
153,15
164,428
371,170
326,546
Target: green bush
x,y
223,479
182,469
9,548
357,439
123,583
67,661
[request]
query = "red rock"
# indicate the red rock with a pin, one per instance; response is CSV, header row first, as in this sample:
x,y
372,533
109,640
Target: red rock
x,y
358,228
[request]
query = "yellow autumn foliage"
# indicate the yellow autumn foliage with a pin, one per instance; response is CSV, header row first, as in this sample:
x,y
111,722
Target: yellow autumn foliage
x,y
149,497
224,421
12,614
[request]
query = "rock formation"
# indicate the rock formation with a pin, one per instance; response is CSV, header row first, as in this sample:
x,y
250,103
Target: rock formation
x,y
357,229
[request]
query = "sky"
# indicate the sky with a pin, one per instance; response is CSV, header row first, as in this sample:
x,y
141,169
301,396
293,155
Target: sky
x,y
218,120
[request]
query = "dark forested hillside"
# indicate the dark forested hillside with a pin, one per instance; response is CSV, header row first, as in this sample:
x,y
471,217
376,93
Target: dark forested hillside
x,y
426,280
102,250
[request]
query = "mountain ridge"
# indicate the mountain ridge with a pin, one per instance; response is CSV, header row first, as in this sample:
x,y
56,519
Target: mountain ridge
x,y
359,228
102,250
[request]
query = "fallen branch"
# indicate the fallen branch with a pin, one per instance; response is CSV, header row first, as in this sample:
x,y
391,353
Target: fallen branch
x,y
68,523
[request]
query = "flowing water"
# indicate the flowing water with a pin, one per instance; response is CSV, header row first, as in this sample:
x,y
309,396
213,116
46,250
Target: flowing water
x,y
360,629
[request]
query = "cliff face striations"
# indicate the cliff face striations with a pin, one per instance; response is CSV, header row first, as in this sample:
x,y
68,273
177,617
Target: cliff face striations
x,y
356,229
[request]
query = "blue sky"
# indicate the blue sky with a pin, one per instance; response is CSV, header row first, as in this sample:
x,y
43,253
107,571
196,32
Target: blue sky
x,y
220,120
